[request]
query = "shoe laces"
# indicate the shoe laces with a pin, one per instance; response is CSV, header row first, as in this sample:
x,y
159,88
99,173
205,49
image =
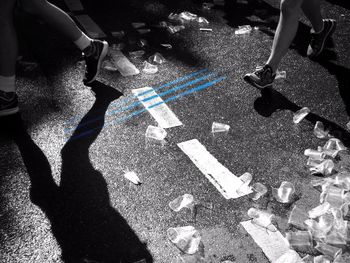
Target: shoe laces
x,y
264,72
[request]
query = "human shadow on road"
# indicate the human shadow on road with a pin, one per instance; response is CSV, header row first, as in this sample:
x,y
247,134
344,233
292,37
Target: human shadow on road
x,y
342,75
272,101
82,219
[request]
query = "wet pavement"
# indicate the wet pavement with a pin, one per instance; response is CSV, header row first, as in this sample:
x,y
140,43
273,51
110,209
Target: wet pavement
x,y
67,200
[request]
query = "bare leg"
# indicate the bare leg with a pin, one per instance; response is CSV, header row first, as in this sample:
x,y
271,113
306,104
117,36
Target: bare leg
x,y
312,10
285,32
54,17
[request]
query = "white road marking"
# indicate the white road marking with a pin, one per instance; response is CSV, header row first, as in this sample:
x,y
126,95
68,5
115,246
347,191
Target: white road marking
x,y
226,182
165,117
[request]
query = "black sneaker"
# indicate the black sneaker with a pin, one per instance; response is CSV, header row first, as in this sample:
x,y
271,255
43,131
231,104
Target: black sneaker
x,y
93,55
261,78
318,40
8,103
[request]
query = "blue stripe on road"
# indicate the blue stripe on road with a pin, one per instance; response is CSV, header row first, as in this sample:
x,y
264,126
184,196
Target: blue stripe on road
x,y
135,113
139,102
73,120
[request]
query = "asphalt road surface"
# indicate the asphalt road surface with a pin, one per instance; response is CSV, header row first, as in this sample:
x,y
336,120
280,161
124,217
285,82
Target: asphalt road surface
x,y
63,194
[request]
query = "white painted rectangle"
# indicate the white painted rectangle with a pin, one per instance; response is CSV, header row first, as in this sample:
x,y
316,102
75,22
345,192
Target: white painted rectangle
x,y
91,28
273,244
74,5
165,117
225,181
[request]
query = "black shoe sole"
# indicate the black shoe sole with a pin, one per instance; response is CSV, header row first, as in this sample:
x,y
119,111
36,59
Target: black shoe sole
x,y
10,111
248,80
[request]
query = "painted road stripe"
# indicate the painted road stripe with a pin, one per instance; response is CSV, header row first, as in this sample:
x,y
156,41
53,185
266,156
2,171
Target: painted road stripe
x,y
127,99
273,244
113,112
162,114
135,113
226,182
91,28
74,5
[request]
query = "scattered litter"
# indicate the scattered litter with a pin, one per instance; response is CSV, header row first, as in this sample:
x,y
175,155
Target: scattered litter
x,y
324,168
224,181
300,114
108,65
118,34
319,210
131,176
284,193
205,29
136,54
161,112
328,152
334,144
246,178
185,238
156,133
124,66
202,20
137,25
157,58
142,43
143,31
167,46
187,16
219,127
186,200
174,29
280,74
300,240
149,68
321,259
319,130
259,190
273,244
328,250
297,218
315,155
242,30
262,218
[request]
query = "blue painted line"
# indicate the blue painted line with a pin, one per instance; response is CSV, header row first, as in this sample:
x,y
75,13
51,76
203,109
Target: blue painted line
x,y
139,102
135,113
73,120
